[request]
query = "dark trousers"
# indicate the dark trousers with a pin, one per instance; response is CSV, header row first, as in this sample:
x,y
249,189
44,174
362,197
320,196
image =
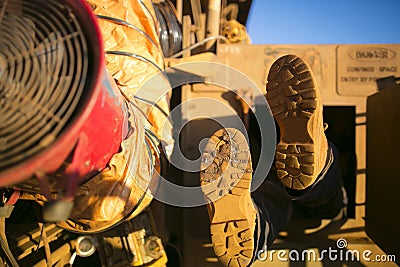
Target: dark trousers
x,y
274,203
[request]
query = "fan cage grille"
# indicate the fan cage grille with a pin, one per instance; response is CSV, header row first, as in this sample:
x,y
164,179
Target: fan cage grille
x,y
44,71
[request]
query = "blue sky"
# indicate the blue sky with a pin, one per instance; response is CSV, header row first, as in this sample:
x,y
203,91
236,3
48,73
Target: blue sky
x,y
324,21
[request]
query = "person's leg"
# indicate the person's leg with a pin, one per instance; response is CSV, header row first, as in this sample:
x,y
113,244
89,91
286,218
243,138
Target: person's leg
x,y
326,197
274,211
295,103
225,179
242,224
306,162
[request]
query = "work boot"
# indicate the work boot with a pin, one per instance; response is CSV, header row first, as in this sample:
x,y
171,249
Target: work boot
x,y
226,178
296,105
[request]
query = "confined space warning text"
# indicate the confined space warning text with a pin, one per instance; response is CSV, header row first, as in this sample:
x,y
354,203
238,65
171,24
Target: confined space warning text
x,y
360,65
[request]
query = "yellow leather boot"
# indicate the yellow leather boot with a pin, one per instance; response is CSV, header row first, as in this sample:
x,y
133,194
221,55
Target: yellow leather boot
x,y
225,181
296,105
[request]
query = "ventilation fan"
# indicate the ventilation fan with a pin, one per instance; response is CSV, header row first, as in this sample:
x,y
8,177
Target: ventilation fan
x,y
61,119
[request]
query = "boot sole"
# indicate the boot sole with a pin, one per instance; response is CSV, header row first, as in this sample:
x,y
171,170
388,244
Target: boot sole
x,y
232,214
292,96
